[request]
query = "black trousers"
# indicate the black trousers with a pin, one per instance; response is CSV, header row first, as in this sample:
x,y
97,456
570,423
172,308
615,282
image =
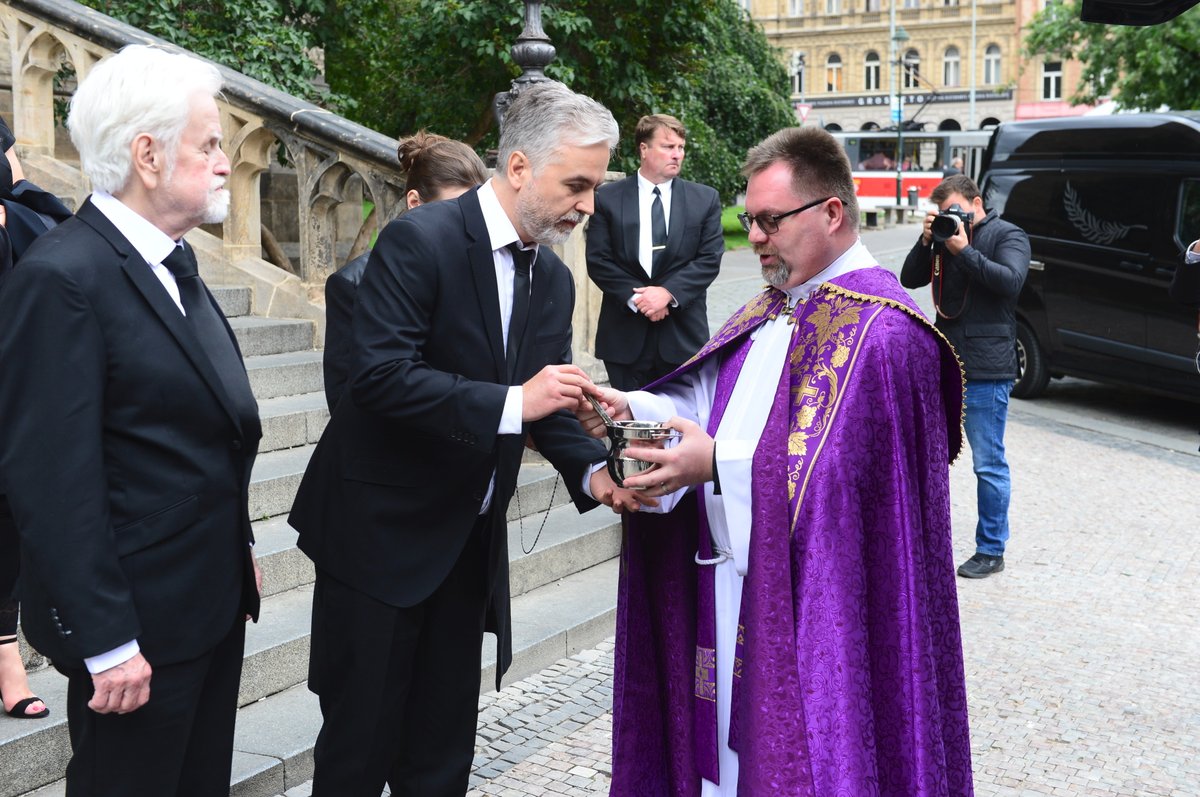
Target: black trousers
x,y
645,369
399,687
179,743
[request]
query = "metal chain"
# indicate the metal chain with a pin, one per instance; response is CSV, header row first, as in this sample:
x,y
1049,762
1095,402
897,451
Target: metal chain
x,y
545,516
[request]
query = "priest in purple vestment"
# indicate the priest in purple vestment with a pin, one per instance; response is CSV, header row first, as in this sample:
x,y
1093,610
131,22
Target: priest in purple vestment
x,y
787,620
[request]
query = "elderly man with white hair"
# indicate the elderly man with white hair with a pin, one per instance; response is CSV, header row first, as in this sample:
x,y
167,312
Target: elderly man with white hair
x,y
130,435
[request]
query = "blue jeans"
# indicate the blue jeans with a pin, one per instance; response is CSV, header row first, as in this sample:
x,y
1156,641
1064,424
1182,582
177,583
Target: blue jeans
x,y
987,410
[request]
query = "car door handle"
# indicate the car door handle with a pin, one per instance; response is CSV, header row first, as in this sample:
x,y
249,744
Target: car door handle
x,y
1165,273
1130,266
1037,265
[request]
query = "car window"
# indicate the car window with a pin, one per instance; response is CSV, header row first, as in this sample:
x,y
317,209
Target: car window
x,y
1084,207
1189,214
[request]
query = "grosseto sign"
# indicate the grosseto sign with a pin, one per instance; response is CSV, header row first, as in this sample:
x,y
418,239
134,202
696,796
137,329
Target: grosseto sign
x,y
916,98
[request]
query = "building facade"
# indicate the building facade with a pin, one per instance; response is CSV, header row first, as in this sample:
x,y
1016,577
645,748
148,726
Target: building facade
x,y
1044,87
955,63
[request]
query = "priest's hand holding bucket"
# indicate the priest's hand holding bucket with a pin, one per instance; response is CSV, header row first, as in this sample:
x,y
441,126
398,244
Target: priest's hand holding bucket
x,y
674,467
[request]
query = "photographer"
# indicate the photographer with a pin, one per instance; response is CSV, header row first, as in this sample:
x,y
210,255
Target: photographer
x,y
976,264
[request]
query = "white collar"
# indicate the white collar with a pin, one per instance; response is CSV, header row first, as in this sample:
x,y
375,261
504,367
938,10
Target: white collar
x,y
501,231
647,187
150,242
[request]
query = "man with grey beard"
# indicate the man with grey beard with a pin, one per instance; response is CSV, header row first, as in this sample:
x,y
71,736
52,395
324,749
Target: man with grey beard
x,y
130,434
461,349
807,521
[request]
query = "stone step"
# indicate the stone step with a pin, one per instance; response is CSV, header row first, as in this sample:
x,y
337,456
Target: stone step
x,y
569,543
276,656
291,421
284,566
234,300
289,374
257,335
557,620
276,727
274,481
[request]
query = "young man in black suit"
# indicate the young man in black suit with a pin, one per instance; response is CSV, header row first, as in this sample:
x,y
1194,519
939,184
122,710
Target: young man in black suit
x,y
130,434
461,348
654,246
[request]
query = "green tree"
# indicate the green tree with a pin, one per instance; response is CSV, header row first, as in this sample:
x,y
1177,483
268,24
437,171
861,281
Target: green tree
x,y
266,39
1143,68
409,64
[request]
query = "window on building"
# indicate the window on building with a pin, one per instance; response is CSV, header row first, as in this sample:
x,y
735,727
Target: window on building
x,y
950,2
871,72
912,3
991,65
833,6
798,73
871,6
952,67
1052,80
833,73
912,69
796,8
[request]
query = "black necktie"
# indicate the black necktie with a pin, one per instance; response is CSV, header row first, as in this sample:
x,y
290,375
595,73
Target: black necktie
x,y
520,306
658,229
210,330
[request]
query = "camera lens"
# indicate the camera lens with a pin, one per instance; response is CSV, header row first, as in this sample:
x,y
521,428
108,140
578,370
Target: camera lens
x,y
943,227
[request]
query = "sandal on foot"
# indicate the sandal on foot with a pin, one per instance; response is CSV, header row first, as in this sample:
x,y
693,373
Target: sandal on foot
x,y
19,710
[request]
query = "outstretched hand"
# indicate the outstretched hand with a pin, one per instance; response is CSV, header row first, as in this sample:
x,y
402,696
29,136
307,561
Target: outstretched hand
x,y
620,499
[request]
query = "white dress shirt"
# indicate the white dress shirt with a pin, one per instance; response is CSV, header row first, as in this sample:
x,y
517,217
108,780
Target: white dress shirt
x,y
645,201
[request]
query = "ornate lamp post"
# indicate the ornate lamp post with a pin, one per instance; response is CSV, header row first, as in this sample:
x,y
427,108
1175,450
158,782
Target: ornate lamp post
x,y
899,37
800,75
533,52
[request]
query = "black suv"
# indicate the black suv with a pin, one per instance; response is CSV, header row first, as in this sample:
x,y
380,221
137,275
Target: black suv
x,y
1110,204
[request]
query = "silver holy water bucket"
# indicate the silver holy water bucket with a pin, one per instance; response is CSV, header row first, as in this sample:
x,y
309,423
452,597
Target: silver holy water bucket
x,y
623,435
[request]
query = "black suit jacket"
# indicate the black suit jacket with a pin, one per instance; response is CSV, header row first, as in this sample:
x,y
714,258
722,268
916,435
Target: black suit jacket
x,y
397,481
686,269
127,465
340,290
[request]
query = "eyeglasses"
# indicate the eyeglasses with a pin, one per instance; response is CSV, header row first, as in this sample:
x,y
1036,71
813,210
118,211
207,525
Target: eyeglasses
x,y
769,223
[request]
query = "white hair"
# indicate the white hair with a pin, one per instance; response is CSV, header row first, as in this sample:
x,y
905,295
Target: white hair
x,y
140,90
547,115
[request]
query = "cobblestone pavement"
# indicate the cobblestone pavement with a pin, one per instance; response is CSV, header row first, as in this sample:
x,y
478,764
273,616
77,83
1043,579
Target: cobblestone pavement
x,y
1081,657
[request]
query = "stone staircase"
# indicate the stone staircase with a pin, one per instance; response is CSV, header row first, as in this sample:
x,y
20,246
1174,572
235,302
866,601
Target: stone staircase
x,y
564,595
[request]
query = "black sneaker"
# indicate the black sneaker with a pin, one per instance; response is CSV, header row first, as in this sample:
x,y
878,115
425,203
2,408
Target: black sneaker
x,y
981,566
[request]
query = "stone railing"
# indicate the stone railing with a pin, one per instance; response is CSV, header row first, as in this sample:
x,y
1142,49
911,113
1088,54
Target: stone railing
x,y
339,163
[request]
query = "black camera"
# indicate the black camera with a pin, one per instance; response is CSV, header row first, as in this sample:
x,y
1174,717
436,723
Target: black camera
x,y
945,224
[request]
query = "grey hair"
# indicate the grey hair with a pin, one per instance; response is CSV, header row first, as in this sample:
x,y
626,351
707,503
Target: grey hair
x,y
817,161
546,116
140,90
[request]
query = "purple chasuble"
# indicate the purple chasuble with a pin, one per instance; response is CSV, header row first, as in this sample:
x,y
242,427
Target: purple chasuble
x,y
849,674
